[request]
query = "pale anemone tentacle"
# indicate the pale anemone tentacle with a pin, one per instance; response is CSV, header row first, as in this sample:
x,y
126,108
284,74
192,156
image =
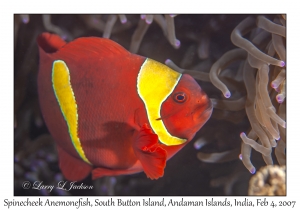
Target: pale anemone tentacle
x,y
53,28
250,84
149,19
161,21
282,21
171,31
262,89
94,21
279,46
198,75
268,25
281,145
123,18
271,49
233,105
279,79
138,36
223,62
238,40
219,157
109,25
25,18
246,153
281,96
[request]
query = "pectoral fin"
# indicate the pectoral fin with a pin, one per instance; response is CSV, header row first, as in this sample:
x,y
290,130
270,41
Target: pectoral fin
x,y
147,149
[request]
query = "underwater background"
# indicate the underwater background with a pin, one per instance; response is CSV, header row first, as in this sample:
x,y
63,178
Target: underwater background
x,y
209,165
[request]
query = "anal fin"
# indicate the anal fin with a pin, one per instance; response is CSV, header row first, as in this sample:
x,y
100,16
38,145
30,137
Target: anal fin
x,y
72,168
152,157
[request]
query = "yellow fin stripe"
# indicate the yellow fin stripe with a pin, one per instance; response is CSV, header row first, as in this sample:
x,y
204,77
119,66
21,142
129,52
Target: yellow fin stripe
x,y
67,103
155,83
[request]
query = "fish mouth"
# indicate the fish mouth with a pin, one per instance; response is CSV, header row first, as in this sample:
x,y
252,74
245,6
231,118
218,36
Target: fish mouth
x,y
203,112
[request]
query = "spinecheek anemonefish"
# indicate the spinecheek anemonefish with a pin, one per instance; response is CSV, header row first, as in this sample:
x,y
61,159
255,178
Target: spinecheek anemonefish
x,y
111,112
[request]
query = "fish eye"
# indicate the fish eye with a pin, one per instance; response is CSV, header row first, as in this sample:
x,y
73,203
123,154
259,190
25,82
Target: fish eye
x,y
179,97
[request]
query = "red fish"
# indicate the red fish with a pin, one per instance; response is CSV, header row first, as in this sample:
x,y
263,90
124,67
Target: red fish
x,y
111,112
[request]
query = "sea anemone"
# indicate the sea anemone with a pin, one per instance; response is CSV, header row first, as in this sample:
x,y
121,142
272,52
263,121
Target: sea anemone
x,y
262,71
